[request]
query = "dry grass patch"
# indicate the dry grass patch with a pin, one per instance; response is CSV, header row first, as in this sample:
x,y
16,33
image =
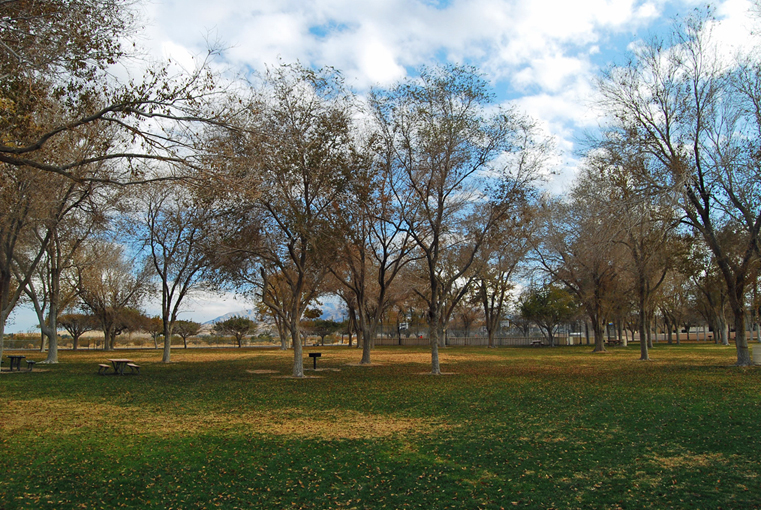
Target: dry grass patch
x,y
689,461
67,418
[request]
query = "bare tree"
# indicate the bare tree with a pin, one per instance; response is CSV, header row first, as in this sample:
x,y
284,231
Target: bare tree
x,y
507,246
645,221
56,67
575,247
299,153
108,286
449,159
696,117
376,248
171,224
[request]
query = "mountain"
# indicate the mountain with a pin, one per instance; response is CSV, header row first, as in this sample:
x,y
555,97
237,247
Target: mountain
x,y
249,314
332,309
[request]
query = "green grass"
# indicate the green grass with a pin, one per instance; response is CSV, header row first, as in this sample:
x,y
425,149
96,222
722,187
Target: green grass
x,y
535,428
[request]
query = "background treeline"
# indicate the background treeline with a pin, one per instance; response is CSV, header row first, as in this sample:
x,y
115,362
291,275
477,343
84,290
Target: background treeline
x,y
422,200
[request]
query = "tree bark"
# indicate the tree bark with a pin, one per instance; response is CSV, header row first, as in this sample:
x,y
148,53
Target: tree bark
x,y
741,341
644,355
168,327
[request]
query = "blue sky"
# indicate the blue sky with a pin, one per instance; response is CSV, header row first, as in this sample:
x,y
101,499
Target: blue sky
x,y
540,55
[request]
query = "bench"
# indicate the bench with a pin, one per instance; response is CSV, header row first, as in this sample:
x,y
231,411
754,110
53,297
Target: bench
x,y
314,356
30,364
103,369
536,343
134,369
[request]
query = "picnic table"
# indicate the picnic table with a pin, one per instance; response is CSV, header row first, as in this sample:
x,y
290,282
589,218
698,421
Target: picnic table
x,y
16,360
536,343
119,365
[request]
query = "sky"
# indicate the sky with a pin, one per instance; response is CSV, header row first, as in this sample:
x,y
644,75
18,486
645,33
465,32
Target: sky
x,y
541,56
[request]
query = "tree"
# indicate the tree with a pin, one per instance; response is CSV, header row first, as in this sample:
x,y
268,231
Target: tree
x,y
548,307
171,225
323,328
300,154
58,88
575,247
507,246
186,329
64,113
697,117
154,326
452,169
23,209
73,212
646,223
109,288
236,326
77,324
376,248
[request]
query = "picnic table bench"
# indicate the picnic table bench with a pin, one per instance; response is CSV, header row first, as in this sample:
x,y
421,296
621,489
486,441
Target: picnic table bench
x,y
103,369
30,364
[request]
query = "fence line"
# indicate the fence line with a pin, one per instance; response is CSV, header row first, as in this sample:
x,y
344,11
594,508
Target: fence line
x,y
467,341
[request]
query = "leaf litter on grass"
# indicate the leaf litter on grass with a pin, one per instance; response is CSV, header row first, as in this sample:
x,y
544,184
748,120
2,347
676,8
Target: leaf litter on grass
x,y
79,417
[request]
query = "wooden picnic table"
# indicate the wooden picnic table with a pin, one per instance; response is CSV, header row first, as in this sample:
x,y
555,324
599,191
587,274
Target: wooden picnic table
x,y
119,365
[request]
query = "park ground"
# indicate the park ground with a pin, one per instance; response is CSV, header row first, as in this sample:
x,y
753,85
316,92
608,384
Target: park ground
x,y
506,428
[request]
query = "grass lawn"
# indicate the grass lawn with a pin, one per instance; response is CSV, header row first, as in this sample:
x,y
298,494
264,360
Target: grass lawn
x,y
510,427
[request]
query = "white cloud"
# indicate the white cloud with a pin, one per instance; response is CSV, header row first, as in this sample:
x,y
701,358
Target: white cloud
x,y
546,51
178,54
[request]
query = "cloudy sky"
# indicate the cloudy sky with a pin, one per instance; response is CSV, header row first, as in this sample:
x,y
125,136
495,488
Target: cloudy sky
x,y
541,55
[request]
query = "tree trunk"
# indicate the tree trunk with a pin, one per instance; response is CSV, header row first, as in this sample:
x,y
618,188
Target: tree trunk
x,y
599,332
368,334
107,345
2,331
168,327
298,361
490,334
283,334
433,332
741,341
52,332
644,355
724,331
